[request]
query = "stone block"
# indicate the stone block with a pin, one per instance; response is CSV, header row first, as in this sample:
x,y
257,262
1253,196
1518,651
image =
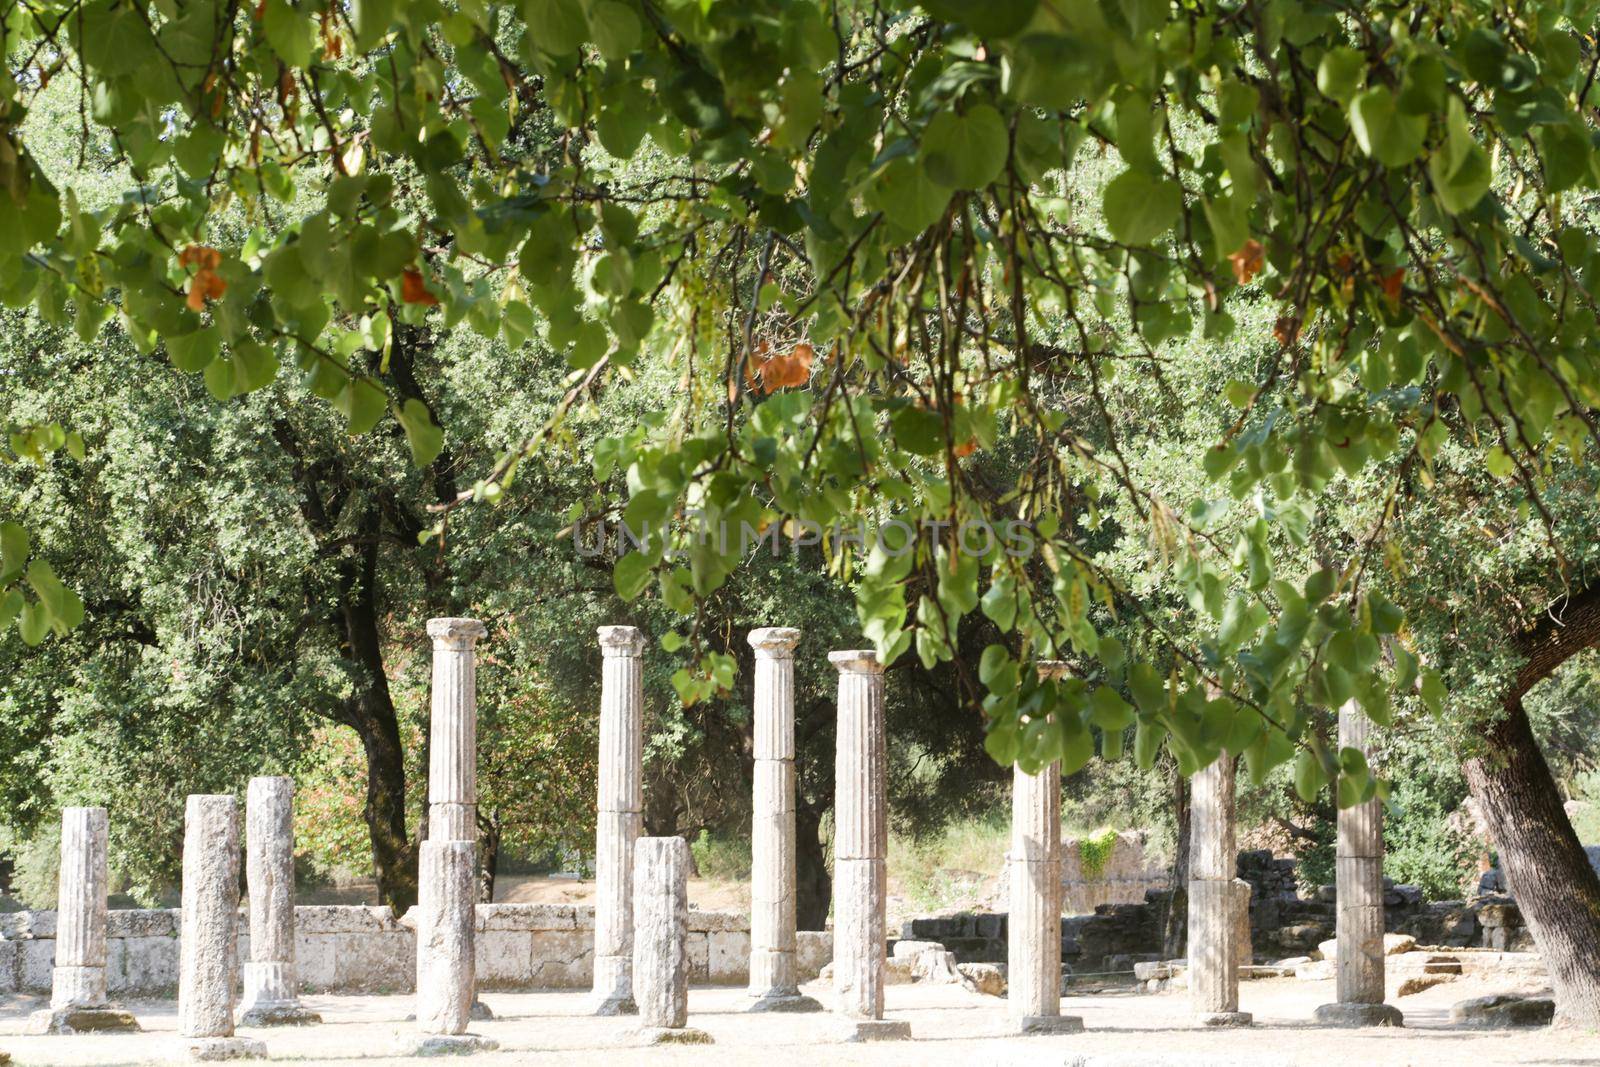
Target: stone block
x,y
1503,1010
8,967
813,951
142,922
504,958
36,965
728,957
698,947
562,959
717,922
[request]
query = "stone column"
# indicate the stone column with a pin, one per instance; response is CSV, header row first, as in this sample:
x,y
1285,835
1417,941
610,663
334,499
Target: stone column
x,y
453,736
772,872
618,816
447,888
271,993
1033,925
445,916
78,984
860,840
1213,953
1358,872
208,964
660,942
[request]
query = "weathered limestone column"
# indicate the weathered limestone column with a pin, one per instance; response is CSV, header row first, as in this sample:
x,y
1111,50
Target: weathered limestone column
x,y
618,816
453,736
1358,860
446,914
772,872
660,942
447,886
1213,953
271,994
78,984
208,964
860,843
1033,924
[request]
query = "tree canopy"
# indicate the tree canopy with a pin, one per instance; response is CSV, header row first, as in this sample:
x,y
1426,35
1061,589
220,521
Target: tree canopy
x,y
857,229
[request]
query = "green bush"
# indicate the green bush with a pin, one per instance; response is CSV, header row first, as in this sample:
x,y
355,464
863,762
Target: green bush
x,y
1421,848
723,859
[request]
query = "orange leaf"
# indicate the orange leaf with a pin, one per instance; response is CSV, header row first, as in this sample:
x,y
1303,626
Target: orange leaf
x,y
412,289
967,447
205,285
780,372
202,255
1392,282
1247,261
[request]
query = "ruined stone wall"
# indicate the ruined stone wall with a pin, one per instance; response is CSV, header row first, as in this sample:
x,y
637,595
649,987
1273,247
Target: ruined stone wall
x,y
354,949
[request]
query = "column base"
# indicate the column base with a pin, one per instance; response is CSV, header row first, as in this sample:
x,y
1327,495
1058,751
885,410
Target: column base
x,y
786,1002
857,1031
77,1019
212,1049
613,1004
442,1044
1223,1018
1354,1015
665,1035
290,1013
1049,1024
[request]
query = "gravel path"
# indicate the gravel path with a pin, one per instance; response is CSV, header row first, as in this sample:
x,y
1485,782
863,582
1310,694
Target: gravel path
x,y
950,1026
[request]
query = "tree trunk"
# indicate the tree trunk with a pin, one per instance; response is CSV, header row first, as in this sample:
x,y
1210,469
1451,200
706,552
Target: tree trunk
x,y
488,856
1175,924
813,883
1545,866
370,710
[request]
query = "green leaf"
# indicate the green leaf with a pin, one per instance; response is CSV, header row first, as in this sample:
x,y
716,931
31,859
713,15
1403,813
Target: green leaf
x,y
986,18
918,430
1341,73
1308,777
615,29
422,434
1139,208
631,575
1383,132
965,151
14,548
288,31
1461,173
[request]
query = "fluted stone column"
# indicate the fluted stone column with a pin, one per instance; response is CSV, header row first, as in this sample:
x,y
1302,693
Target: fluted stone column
x,y
772,874
78,984
271,993
1358,872
618,816
208,964
1033,924
453,736
660,942
447,862
1213,935
860,845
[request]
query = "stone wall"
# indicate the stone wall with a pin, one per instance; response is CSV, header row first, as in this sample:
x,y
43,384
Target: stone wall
x,y
367,950
1123,878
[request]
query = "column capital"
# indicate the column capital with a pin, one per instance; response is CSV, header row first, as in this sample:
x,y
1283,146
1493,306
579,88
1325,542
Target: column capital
x,y
455,634
620,640
856,661
774,642
1051,669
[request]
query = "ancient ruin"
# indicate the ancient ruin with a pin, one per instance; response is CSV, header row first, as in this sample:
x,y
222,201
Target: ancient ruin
x,y
1213,898
618,816
660,956
271,988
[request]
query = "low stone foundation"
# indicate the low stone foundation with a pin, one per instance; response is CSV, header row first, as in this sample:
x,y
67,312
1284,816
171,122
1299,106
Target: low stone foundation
x,y
355,949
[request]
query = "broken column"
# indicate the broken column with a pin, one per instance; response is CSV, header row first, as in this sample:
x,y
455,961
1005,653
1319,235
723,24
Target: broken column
x,y
78,984
660,942
453,732
447,886
860,840
208,963
772,872
1213,934
1034,874
1358,872
618,816
271,993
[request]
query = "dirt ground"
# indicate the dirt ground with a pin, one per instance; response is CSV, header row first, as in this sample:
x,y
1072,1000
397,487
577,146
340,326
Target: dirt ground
x,y
949,1026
